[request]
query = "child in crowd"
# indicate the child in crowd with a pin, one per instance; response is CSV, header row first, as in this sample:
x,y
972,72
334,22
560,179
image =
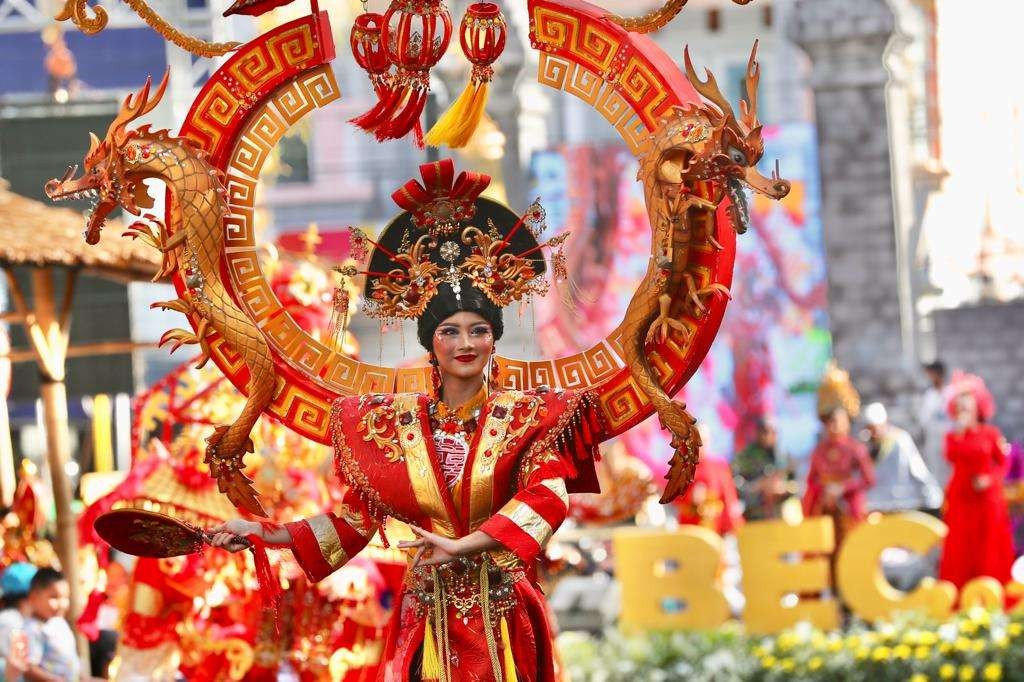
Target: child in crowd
x,y
53,656
14,614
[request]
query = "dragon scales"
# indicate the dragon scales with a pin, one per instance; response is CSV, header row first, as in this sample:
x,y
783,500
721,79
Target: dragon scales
x,y
114,171
699,155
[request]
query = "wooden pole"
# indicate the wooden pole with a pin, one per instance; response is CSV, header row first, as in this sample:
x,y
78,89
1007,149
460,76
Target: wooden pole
x,y
7,479
48,331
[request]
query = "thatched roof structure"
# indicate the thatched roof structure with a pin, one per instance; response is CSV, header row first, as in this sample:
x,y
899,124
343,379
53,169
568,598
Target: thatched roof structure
x,y
35,234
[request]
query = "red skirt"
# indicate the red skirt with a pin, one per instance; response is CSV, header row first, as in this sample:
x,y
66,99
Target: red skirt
x,y
529,631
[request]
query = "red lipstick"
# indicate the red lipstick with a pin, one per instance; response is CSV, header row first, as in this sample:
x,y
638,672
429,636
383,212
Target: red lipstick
x,y
465,358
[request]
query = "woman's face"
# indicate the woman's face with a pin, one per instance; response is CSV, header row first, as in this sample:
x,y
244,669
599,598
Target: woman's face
x,y
838,424
966,409
463,344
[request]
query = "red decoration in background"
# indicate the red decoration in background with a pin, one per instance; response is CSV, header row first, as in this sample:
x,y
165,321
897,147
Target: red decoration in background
x,y
413,36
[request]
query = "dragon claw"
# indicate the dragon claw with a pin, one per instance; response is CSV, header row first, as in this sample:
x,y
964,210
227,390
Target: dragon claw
x,y
696,293
227,466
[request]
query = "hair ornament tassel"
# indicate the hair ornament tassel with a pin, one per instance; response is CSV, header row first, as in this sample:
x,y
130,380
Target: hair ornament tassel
x,y
482,35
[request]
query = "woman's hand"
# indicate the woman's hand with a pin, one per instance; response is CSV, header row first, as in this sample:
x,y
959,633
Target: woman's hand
x,y
982,482
227,535
432,549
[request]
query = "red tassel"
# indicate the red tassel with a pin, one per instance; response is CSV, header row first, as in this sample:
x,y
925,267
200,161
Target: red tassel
x,y
401,122
380,112
269,585
417,132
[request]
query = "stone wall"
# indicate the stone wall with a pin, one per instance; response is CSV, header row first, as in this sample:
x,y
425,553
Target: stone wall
x,y
986,340
846,43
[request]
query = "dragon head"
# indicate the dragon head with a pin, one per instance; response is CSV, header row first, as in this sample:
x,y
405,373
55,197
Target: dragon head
x,y
724,148
115,166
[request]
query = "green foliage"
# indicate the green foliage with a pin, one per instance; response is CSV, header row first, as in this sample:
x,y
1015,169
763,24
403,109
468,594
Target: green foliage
x,y
979,645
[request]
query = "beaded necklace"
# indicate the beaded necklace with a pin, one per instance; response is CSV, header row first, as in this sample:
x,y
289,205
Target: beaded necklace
x,y
463,419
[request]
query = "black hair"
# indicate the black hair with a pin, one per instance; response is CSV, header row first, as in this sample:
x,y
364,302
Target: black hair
x,y
44,578
445,304
937,366
12,600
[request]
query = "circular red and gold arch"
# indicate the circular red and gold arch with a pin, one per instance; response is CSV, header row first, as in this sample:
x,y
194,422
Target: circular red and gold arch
x,y
272,82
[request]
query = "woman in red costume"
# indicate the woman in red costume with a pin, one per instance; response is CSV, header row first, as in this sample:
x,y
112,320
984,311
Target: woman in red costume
x,y
841,472
980,542
481,475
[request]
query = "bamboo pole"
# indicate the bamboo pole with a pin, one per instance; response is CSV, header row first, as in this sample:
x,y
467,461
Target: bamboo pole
x,y
49,335
7,478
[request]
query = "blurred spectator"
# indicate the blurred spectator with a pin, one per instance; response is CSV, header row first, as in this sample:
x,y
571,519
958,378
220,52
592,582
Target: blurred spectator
x,y
711,500
14,613
1015,495
903,482
979,542
53,656
934,422
839,476
762,477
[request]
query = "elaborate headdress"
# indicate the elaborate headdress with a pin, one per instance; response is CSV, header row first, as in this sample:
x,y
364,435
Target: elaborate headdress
x,y
837,391
961,383
450,247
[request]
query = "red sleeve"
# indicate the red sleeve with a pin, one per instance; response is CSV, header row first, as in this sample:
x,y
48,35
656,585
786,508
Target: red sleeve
x,y
949,449
324,543
813,489
526,523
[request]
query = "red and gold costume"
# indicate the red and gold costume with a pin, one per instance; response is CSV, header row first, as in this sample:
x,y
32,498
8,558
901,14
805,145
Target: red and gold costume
x,y
839,461
528,451
841,471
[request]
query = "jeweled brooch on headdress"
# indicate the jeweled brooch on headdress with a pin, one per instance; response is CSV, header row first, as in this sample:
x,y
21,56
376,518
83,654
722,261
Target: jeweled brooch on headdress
x,y
449,234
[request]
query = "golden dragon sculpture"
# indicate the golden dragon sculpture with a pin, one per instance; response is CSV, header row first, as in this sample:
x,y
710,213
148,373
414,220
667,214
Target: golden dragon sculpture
x,y
114,171
657,18
697,143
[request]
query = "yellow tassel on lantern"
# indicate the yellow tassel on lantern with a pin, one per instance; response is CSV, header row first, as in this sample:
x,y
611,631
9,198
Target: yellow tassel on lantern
x,y
456,126
431,663
509,660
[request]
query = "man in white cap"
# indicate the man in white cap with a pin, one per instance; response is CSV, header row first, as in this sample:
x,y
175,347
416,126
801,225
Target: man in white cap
x,y
903,482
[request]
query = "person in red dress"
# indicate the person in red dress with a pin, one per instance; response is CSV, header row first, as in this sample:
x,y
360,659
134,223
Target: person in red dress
x,y
980,540
711,501
840,472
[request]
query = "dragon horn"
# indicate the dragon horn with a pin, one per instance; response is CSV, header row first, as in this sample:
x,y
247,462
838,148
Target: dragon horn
x,y
153,101
94,144
136,105
748,106
707,87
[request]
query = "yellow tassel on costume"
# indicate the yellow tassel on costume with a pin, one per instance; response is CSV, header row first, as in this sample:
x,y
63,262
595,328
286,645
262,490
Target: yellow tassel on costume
x,y
456,126
509,661
431,663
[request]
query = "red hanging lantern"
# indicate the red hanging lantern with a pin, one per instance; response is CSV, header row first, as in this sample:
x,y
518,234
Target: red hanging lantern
x,y
415,35
482,35
368,49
